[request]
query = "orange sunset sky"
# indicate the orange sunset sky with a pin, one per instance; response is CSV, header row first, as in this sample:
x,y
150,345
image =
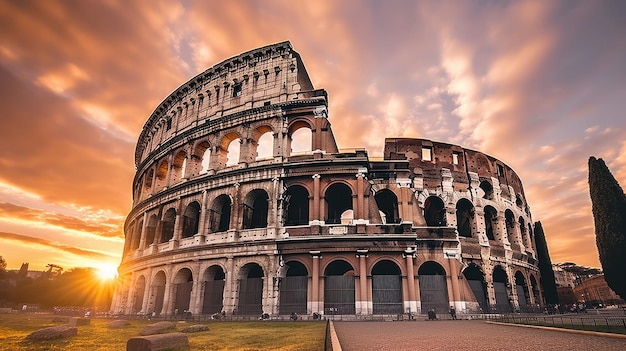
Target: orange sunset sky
x,y
541,85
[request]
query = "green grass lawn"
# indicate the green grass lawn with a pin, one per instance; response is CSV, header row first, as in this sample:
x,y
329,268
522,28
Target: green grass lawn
x,y
257,335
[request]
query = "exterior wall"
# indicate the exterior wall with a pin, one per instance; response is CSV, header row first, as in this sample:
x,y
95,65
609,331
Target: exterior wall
x,y
332,216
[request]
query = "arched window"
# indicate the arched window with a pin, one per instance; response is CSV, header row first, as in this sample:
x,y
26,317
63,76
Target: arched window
x,y
490,222
161,175
191,218
167,228
178,167
147,183
301,139
434,212
136,236
487,189
265,146
255,209
233,152
338,200
219,220
151,229
296,205
522,229
464,217
509,219
387,203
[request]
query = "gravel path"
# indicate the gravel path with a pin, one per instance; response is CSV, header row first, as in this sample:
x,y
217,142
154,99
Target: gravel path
x,y
464,335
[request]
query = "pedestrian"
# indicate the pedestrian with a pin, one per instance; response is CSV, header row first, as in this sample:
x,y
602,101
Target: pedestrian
x,y
452,312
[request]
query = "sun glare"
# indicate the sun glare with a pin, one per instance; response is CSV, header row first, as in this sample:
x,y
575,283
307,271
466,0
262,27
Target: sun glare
x,y
107,271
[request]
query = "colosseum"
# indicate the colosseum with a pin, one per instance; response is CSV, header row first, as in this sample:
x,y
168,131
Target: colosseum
x,y
243,205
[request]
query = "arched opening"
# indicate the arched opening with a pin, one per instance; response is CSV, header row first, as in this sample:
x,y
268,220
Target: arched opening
x,y
134,245
233,152
183,283
140,289
500,282
433,287
490,222
487,189
535,289
213,300
464,217
339,288
178,167
387,288
157,293
476,280
509,219
522,230
265,146
161,175
147,183
151,229
255,208
301,139
293,289
387,203
199,163
434,212
206,159
518,201
167,227
191,218
296,205
219,219
338,199
251,290
521,289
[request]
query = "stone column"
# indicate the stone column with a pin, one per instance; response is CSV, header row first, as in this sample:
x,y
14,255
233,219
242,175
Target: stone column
x,y
316,211
410,305
142,242
316,304
360,203
202,227
362,302
454,281
229,298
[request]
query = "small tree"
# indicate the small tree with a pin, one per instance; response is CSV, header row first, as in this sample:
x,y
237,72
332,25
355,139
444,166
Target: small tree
x,y
545,266
609,214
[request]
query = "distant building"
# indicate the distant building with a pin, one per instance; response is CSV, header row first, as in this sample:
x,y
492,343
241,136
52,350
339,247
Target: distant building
x,y
595,291
563,278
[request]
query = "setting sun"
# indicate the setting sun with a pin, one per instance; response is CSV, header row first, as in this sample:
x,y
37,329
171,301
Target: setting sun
x,y
106,271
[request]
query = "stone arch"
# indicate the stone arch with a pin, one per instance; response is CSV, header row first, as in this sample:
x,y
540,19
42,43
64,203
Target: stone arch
x,y
300,137
294,289
476,280
182,284
535,289
147,183
433,287
509,219
250,290
151,228
518,201
191,219
200,158
157,293
483,164
465,218
161,175
167,225
255,209
262,142
296,205
491,216
434,211
338,197
522,292
219,217
387,203
179,164
224,156
500,288
339,292
387,288
487,189
213,279
522,230
140,290
136,239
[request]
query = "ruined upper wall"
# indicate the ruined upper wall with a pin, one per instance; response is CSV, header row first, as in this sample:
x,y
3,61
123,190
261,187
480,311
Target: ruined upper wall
x,y
260,77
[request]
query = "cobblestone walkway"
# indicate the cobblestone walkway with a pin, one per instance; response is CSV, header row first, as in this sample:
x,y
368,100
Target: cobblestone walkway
x,y
464,335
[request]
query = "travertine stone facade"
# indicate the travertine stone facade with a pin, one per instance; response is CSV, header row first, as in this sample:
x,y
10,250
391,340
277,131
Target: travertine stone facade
x,y
268,230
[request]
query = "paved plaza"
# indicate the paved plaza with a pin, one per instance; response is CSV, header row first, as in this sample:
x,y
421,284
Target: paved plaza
x,y
464,335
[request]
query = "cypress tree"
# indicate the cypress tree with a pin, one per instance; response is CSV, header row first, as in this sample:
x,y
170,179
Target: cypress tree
x,y
545,266
609,215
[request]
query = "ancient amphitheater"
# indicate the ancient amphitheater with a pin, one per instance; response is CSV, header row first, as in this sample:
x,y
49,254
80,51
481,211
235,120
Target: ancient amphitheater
x,y
230,218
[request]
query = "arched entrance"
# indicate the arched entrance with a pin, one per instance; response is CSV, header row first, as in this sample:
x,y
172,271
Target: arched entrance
x,y
251,290
293,289
157,293
339,288
213,299
387,288
183,283
521,289
255,208
433,287
476,280
140,289
499,288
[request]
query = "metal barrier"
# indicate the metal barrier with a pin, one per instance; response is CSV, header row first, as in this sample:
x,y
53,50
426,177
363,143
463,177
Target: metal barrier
x,y
607,324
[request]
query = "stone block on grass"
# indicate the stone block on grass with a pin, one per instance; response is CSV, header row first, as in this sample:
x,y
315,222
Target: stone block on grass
x,y
52,333
118,324
195,328
78,321
167,341
158,328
